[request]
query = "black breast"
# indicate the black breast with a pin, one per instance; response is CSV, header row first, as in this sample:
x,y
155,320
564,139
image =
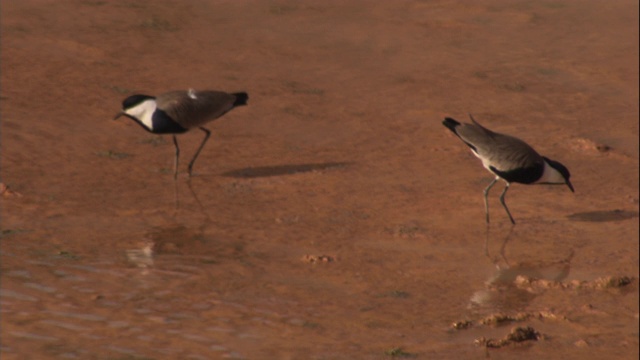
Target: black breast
x,y
525,175
163,124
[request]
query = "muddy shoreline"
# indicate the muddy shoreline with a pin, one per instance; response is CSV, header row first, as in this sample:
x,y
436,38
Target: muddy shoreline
x,y
334,217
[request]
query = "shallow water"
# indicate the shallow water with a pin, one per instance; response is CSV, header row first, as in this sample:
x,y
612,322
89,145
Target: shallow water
x,y
333,217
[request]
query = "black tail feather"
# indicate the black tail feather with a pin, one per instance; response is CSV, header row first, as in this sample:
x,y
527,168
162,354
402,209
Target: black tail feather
x,y
241,98
451,124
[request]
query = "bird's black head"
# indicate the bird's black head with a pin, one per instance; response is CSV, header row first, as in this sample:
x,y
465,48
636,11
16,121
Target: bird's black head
x,y
562,170
134,100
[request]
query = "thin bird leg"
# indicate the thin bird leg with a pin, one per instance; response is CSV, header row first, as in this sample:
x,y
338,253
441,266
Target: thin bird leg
x,y
177,197
175,163
486,201
504,204
206,137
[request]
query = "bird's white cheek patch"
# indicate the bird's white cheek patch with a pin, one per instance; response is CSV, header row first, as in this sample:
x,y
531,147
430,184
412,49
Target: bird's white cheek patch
x,y
144,113
550,176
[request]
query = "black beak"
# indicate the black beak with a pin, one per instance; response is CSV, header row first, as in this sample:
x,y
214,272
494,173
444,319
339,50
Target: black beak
x,y
118,115
570,186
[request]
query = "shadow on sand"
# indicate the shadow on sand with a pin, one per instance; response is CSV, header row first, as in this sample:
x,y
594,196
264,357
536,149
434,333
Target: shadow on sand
x,y
278,170
603,215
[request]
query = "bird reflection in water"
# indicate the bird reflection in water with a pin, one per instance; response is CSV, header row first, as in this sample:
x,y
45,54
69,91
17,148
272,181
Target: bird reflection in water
x,y
500,292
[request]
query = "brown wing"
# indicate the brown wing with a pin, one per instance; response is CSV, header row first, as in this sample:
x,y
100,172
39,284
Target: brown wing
x,y
509,153
195,108
504,152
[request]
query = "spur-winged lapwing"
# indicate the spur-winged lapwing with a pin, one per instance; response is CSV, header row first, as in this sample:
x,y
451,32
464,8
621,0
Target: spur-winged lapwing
x,y
176,112
508,158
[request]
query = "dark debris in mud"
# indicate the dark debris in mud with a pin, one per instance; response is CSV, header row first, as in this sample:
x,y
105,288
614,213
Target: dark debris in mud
x,y
499,319
398,352
312,259
516,335
607,282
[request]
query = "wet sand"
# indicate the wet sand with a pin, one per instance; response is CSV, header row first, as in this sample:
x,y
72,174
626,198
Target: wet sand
x,y
334,217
